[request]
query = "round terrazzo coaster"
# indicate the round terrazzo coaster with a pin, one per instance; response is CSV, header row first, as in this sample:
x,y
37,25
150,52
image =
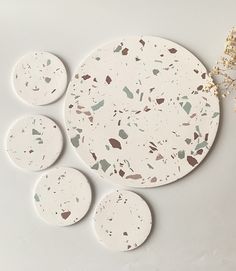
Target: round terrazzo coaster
x,y
135,111
62,196
122,220
34,142
39,78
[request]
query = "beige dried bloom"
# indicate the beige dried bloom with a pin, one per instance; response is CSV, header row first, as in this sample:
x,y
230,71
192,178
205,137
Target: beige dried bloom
x,y
224,72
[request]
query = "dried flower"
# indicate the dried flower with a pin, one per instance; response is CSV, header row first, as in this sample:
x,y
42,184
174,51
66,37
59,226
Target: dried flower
x,y
224,72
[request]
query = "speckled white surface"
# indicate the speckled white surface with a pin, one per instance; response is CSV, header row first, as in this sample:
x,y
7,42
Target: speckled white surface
x,y
62,196
122,220
39,78
194,219
34,142
136,112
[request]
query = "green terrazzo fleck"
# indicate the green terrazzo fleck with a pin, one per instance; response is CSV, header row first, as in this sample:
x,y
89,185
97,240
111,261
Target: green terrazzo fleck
x,y
105,165
187,107
95,166
215,114
201,145
123,134
155,71
128,93
118,48
98,105
75,141
36,197
181,154
35,132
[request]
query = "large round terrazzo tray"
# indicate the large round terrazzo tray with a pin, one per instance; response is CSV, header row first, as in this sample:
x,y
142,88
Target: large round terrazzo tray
x,y
136,112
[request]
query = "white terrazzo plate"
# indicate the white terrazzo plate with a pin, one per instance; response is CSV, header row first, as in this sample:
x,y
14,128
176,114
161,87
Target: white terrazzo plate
x,y
34,142
122,220
136,112
62,196
39,78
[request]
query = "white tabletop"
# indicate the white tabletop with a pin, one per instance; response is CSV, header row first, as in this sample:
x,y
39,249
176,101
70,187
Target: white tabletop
x,y
194,218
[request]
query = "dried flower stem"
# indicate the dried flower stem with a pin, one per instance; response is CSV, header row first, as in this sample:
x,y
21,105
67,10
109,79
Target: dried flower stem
x,y
222,72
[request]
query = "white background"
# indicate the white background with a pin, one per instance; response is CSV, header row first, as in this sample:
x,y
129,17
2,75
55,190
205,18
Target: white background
x,y
194,219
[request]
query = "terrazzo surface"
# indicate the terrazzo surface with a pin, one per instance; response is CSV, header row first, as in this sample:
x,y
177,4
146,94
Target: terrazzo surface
x,y
34,142
122,220
39,78
136,112
62,196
